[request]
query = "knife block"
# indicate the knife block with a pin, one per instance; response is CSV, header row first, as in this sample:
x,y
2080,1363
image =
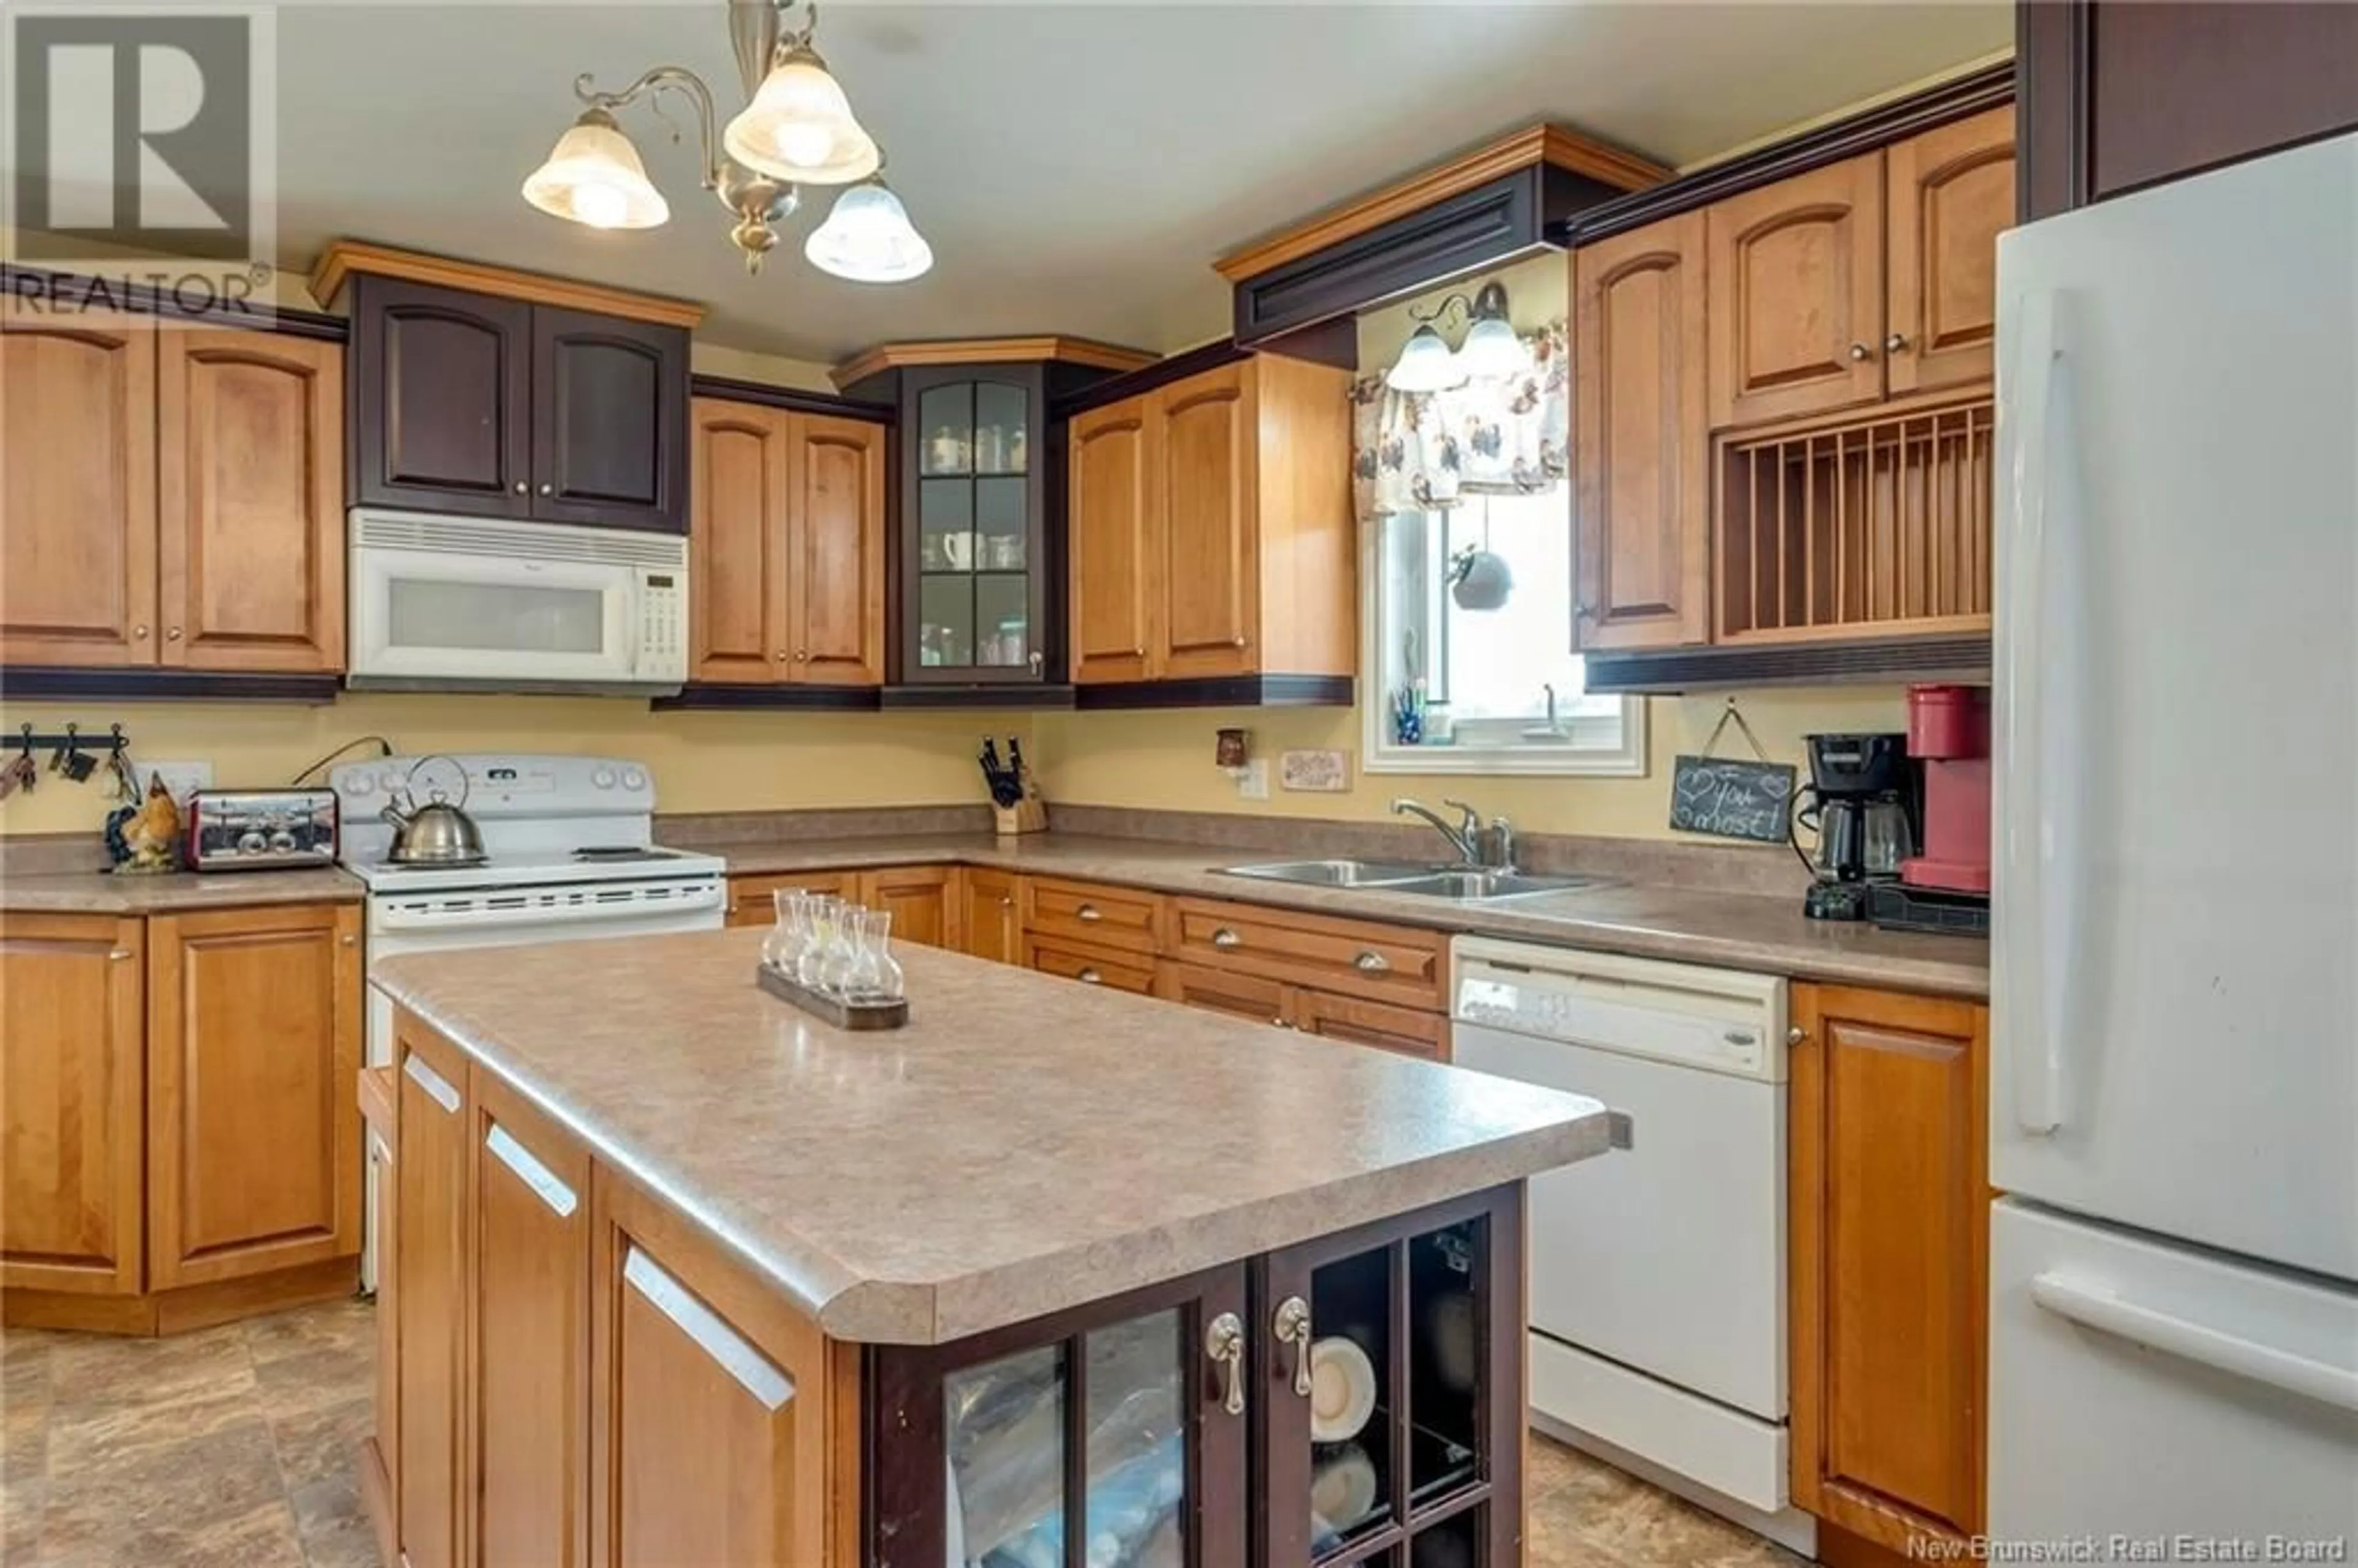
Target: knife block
x,y
1029,814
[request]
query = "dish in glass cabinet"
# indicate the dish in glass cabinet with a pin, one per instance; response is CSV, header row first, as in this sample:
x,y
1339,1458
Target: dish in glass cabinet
x,y
1342,1390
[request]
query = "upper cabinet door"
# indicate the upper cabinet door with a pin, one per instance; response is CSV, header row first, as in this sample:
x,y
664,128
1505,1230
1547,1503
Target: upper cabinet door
x,y
609,421
836,574
738,548
441,398
1204,500
1796,289
1952,193
1112,543
1642,569
78,526
250,457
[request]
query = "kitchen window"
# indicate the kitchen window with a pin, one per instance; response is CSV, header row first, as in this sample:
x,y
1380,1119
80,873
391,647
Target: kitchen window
x,y
1468,664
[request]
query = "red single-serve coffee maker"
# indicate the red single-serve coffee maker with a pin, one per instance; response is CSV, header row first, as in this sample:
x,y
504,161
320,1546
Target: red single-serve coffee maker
x,y
1946,887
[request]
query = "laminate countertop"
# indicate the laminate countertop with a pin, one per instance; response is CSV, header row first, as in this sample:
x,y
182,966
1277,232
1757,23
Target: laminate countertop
x,y
1735,930
1024,1145
171,893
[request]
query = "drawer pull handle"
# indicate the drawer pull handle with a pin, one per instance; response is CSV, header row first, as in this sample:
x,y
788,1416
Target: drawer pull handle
x,y
737,1355
1371,963
1224,1342
1089,911
546,1184
1292,1326
438,1087
1090,977
1224,937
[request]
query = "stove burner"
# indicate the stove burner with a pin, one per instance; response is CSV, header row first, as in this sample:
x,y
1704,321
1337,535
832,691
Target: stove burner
x,y
597,852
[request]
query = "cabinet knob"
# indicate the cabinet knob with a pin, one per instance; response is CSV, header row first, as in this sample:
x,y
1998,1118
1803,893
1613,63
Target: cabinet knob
x,y
1139,651
802,655
1224,937
1224,1343
1279,1022
117,955
521,487
547,490
1796,1035
172,634
1860,353
1371,963
1239,641
1007,903
1292,1326
349,940
1090,977
782,656
1896,344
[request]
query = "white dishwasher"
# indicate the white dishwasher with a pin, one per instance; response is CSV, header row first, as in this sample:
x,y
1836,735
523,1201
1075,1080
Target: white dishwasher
x,y
1658,1274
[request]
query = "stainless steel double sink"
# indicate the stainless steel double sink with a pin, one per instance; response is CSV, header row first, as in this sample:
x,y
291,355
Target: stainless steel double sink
x,y
1461,884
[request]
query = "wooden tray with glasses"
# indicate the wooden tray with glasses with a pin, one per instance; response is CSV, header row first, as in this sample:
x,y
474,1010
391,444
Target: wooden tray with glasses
x,y
854,1013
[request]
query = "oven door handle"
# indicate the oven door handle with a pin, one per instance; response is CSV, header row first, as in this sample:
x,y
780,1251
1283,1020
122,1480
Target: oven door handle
x,y
394,913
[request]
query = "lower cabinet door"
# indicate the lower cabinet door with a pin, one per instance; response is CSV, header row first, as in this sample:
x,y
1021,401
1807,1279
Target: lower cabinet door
x,y
922,901
531,1345
1247,996
254,1137
710,1402
379,1127
1418,1329
429,1281
1121,1424
71,1031
991,925
752,899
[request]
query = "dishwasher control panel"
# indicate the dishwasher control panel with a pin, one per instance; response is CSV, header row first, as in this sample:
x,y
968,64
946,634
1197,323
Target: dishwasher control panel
x,y
1720,1020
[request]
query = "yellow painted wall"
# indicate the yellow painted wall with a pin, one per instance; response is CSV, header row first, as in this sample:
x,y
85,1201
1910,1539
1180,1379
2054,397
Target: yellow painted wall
x,y
702,762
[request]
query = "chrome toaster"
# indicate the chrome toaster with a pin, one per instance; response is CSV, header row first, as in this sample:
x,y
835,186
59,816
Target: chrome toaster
x,y
260,829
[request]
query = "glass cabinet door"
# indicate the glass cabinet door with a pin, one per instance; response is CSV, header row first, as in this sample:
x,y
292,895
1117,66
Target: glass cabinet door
x,y
1119,1444
1386,1439
976,452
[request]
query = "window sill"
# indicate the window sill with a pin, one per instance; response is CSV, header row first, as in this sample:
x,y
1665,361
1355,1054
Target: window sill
x,y
1506,762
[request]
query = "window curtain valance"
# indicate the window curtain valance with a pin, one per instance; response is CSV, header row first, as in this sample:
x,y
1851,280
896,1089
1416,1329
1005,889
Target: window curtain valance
x,y
1424,451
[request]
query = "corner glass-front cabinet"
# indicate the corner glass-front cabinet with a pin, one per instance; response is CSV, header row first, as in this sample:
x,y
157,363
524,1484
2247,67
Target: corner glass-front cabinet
x,y
976,559
1327,1405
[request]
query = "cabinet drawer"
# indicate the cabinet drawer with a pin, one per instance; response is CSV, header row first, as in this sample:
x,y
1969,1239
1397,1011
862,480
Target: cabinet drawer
x,y
1091,966
749,897
1249,997
1382,963
1098,916
1401,1029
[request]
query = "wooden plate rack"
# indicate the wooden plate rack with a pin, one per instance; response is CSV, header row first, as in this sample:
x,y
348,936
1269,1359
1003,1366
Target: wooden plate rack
x,y
1874,527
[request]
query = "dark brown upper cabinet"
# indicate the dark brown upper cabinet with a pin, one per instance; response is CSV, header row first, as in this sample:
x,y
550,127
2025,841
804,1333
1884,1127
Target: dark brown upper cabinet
x,y
477,404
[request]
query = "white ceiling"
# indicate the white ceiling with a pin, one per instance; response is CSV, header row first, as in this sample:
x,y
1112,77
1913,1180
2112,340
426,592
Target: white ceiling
x,y
1075,166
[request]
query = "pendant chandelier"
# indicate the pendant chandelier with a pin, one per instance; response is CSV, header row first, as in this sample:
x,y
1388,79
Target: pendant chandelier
x,y
797,129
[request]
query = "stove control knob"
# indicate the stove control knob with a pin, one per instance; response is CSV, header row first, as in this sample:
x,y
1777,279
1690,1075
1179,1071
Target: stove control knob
x,y
602,779
250,843
282,841
634,779
361,783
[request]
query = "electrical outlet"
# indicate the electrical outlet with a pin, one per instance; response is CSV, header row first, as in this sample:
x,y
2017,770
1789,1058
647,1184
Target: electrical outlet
x,y
1252,779
182,779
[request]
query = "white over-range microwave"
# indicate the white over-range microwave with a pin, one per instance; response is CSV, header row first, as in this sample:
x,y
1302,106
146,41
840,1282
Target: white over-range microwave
x,y
443,603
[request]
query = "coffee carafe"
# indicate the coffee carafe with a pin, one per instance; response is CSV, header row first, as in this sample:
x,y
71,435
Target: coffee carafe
x,y
1860,802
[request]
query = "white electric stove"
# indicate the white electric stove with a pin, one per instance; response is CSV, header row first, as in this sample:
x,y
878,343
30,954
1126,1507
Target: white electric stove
x,y
569,856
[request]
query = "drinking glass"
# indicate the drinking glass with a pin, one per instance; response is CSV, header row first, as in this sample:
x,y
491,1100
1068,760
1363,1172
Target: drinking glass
x,y
824,914
788,933
877,976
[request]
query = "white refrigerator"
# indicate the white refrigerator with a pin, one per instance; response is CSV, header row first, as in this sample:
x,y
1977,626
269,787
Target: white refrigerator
x,y
2174,1078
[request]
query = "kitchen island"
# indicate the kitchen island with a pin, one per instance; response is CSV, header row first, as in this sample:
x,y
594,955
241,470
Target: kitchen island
x,y
672,1273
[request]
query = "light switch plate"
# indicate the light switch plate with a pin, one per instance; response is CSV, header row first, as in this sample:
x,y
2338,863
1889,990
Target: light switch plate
x,y
182,779
1252,779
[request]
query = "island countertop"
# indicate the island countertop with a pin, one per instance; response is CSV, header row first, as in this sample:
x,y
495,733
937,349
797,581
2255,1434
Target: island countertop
x,y
1023,1146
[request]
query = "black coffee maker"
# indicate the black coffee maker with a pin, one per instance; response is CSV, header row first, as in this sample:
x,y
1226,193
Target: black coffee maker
x,y
1861,801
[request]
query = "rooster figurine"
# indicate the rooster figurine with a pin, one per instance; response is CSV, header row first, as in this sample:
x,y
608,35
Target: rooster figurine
x,y
151,838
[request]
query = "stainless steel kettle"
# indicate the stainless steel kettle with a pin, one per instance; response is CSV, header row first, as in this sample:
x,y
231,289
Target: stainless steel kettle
x,y
436,834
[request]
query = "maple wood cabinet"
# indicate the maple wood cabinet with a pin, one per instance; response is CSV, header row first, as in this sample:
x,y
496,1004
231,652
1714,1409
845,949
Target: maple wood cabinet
x,y
925,902
490,406
1888,1223
787,558
253,1138
178,1137
1642,490
73,1036
990,923
173,498
1949,193
431,1474
1211,531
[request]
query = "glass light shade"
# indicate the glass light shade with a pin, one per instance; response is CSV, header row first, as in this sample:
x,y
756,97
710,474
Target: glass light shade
x,y
1491,350
1425,364
594,177
799,127
867,238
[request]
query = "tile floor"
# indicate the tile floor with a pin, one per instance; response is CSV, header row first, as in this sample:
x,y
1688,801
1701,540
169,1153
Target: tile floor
x,y
235,1448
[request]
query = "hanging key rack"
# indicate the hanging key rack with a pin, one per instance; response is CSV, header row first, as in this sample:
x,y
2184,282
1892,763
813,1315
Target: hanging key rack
x,y
69,742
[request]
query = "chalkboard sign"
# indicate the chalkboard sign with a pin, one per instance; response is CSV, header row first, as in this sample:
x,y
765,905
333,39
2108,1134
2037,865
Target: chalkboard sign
x,y
1732,798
